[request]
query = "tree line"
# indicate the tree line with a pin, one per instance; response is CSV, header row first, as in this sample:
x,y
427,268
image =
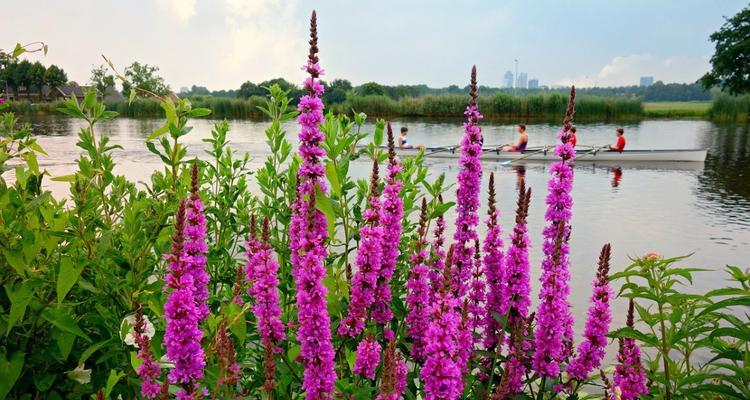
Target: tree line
x,y
16,75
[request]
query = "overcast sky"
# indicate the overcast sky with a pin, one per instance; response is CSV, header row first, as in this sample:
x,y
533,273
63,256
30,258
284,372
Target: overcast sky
x,y
222,43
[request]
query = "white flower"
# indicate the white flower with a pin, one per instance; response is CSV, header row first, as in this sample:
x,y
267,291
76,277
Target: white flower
x,y
80,375
129,338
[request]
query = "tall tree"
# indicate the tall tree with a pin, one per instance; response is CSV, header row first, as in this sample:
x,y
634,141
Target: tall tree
x,y
54,77
731,60
144,77
101,80
36,77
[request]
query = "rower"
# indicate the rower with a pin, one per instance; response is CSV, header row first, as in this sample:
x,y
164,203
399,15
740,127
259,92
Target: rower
x,y
404,144
620,145
523,140
573,139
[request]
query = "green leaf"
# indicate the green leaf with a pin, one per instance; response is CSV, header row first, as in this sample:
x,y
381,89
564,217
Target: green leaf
x,y
17,51
60,318
19,296
199,112
10,371
36,147
114,377
323,204
333,178
68,277
16,261
164,129
65,178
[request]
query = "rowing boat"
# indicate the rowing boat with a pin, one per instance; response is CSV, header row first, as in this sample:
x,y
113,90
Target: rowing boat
x,y
586,154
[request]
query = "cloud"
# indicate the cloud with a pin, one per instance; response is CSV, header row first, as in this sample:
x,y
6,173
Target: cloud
x,y
181,10
264,39
627,70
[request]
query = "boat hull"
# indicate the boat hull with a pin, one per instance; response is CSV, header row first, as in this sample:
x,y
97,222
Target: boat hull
x,y
582,155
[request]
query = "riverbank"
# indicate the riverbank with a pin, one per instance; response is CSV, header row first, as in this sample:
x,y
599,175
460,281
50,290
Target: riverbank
x,y
501,106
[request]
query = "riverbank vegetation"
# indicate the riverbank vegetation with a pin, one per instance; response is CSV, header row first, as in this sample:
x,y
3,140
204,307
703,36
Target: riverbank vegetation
x,y
319,285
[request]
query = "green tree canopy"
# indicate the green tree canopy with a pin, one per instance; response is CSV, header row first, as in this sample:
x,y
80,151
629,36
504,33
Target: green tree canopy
x,y
55,76
144,77
101,79
731,60
372,88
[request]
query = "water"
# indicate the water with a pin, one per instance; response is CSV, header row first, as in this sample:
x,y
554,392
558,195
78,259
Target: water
x,y
671,210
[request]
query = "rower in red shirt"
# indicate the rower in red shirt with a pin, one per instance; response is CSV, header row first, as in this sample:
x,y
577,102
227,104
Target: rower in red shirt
x,y
573,139
620,145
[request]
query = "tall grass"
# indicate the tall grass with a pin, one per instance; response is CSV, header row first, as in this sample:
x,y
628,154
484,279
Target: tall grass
x,y
726,107
498,106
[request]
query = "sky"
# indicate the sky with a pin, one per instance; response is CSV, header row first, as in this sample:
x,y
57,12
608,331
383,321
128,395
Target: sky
x,y
222,43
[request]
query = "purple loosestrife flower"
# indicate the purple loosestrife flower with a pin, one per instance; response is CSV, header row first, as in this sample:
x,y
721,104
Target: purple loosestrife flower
x,y
593,348
195,245
438,253
441,372
265,292
477,296
629,375
391,215
493,269
368,358
554,330
149,370
369,258
308,236
393,382
516,297
182,338
467,195
418,295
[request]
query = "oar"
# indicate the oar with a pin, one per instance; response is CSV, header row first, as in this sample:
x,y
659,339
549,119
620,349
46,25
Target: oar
x,y
494,147
544,149
440,150
594,150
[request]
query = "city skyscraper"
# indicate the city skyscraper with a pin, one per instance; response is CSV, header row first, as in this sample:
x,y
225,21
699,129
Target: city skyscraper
x,y
521,81
647,81
534,83
508,79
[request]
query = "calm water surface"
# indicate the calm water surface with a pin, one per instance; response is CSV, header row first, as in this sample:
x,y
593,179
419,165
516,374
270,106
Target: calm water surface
x,y
668,209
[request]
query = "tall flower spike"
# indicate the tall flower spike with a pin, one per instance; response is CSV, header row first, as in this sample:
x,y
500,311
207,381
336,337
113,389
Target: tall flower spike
x,y
149,370
493,269
368,358
368,261
441,373
391,216
629,377
265,291
516,299
554,330
308,235
182,338
593,348
477,296
438,252
418,294
195,245
467,195
393,382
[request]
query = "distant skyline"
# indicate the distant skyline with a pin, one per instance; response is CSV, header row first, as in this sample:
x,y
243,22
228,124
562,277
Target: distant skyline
x,y
222,43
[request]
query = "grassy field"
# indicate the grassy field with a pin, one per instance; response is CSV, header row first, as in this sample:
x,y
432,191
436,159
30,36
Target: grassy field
x,y
677,109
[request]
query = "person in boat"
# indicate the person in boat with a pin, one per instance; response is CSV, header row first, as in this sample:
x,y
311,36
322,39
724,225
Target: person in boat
x,y
619,146
404,144
573,139
523,140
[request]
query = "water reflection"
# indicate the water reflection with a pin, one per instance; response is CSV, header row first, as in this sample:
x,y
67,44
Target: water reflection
x,y
616,176
726,178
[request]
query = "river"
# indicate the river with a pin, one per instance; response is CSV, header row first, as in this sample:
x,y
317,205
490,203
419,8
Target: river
x,y
671,210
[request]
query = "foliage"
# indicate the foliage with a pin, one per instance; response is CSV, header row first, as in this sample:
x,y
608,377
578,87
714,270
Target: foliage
x,y
729,67
680,328
24,74
145,78
101,80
